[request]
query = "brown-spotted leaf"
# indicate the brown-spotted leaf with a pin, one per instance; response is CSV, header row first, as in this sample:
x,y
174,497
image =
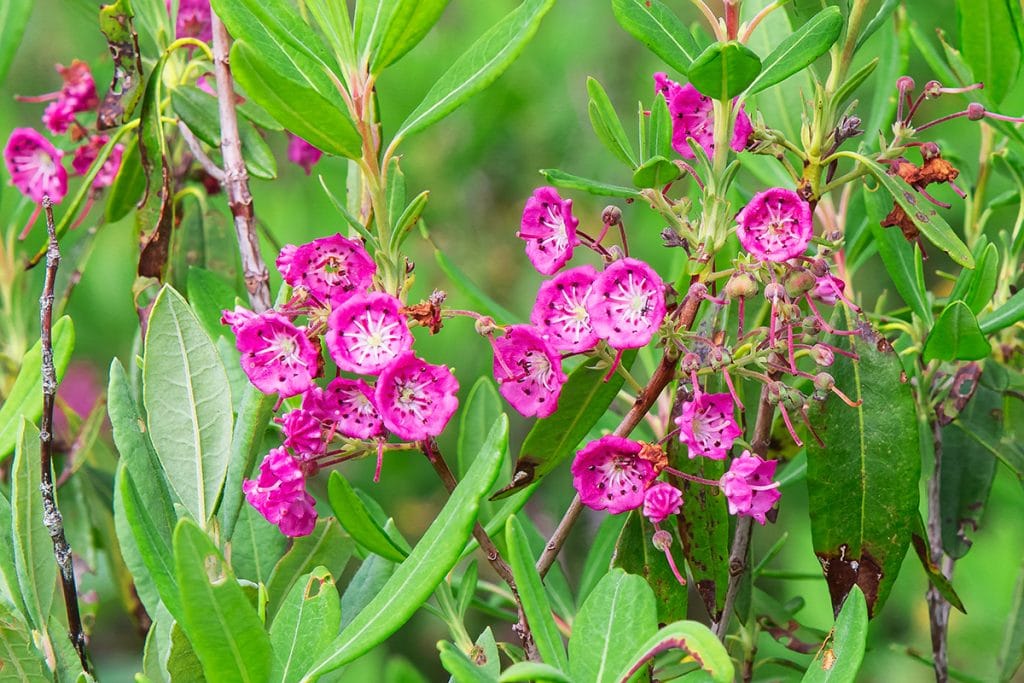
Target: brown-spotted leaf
x,y
126,87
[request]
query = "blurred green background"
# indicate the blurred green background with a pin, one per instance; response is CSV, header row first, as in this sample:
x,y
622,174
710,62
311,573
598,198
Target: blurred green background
x,y
480,164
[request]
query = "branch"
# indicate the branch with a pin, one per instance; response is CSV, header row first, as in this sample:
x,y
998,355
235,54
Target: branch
x,y
938,607
51,513
236,178
199,153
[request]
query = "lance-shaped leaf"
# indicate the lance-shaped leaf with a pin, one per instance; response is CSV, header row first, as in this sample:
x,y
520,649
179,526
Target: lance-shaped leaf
x,y
22,661
919,539
1011,654
597,187
326,546
635,553
799,49
409,22
976,287
126,88
129,184
305,625
863,483
1010,313
990,42
33,550
615,621
535,601
188,404
956,336
840,657
478,67
724,70
689,636
429,562
14,16
460,666
657,27
357,520
584,399
607,125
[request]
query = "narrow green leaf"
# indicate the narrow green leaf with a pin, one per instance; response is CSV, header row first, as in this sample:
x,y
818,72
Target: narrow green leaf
x,y
358,522
607,125
407,220
877,21
188,404
332,18
326,546
984,280
33,549
898,256
210,296
599,557
527,672
370,17
575,182
636,554
256,546
408,24
847,89
129,184
919,539
368,581
840,658
691,636
967,474
988,422
533,595
432,558
307,622
799,49
990,43
254,415
22,662
658,28
1011,654
478,67
870,462
14,15
1010,313
25,399
615,621
223,627
956,336
584,399
483,406
659,137
460,666
724,70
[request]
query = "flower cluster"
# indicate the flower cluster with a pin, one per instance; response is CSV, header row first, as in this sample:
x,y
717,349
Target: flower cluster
x,y
693,117
366,333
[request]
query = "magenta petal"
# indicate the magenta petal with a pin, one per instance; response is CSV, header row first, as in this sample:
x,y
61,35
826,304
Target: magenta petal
x,y
560,311
302,432
276,355
693,116
662,501
349,405
279,494
776,225
549,228
537,378
367,333
746,474
302,153
35,166
627,304
416,399
331,268
707,426
609,474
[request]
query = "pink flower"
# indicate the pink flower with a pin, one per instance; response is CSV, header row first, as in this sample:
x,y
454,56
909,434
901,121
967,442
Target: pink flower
x,y
366,333
528,371
193,20
775,225
35,166
302,432
302,153
416,399
627,304
77,94
662,501
707,426
279,494
609,474
276,355
330,268
86,154
693,116
347,405
828,289
748,486
549,229
58,116
561,310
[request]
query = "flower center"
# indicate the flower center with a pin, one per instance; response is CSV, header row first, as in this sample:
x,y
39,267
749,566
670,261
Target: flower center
x,y
371,339
632,298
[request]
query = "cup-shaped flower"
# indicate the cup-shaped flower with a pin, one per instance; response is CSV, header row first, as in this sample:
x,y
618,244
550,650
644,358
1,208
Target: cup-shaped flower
x,y
748,486
828,289
416,399
661,501
35,166
302,153
279,494
303,432
708,426
560,311
609,474
330,268
693,116
87,153
277,356
346,405
528,371
627,304
549,228
193,20
775,225
77,94
366,333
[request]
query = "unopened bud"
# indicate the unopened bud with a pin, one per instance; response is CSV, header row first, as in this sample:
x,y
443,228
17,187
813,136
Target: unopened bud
x,y
932,89
612,215
798,282
776,390
741,286
690,363
824,381
905,83
485,325
698,290
774,291
929,151
718,358
822,355
662,540
819,267
975,111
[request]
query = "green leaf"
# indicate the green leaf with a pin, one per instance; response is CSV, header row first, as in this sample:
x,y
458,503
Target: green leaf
x,y
898,256
358,522
956,336
210,296
332,18
21,661
220,622
799,49
636,554
256,546
408,24
584,399
365,585
847,89
533,596
967,471
724,70
1010,313
33,550
246,440
840,657
528,672
987,423
407,220
691,636
460,666
14,16
919,539
25,399
659,124
931,224
656,172
599,557
307,622
575,182
990,34
607,125
296,105
188,404
976,287
478,67
326,546
483,406
870,462
129,184
877,21
430,561
1011,654
658,28
615,621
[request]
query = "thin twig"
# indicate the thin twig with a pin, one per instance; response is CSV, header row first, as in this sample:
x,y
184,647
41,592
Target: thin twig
x,y
51,513
199,153
938,607
236,178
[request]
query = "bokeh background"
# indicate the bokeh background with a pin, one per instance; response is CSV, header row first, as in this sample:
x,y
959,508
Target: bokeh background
x,y
480,164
